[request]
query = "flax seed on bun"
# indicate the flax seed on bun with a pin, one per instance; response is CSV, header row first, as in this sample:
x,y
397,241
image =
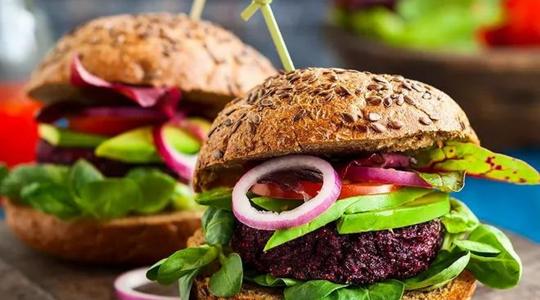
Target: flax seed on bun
x,y
207,62
327,112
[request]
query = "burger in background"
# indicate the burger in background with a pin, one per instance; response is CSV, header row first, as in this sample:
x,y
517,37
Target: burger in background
x,y
127,103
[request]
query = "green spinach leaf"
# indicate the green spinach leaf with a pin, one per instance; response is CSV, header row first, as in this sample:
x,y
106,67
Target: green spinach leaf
x,y
313,289
460,218
476,247
109,198
82,173
182,262
219,197
156,188
185,282
24,175
271,281
3,174
387,290
51,198
228,280
447,266
217,225
501,271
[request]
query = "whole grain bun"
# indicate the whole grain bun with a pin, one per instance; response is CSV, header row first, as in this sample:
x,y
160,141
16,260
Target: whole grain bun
x,y
461,288
137,240
324,112
207,62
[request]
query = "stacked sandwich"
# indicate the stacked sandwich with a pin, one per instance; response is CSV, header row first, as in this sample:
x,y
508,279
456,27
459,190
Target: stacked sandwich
x,y
128,103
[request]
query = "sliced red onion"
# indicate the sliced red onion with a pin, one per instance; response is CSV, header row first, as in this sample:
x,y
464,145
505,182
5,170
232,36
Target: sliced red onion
x,y
182,164
381,175
265,220
144,96
125,286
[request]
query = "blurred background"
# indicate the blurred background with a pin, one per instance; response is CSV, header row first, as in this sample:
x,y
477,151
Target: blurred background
x,y
484,53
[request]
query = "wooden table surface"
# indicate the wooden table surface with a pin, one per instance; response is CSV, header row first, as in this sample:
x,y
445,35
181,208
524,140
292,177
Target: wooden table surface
x,y
26,274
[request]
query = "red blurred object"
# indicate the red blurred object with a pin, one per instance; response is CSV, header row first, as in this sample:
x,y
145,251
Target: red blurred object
x,y
18,130
521,28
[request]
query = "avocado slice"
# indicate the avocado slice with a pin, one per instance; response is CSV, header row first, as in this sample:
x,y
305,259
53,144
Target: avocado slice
x,y
67,138
137,146
424,209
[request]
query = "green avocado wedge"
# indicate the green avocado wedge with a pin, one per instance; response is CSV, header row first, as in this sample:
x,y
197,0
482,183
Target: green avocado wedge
x,y
67,138
137,146
424,209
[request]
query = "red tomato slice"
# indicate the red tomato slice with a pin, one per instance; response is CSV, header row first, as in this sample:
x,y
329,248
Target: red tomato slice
x,y
311,188
107,125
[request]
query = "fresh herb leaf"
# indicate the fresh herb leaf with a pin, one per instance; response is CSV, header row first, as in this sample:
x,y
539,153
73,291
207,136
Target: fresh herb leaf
x,y
387,290
313,289
330,215
109,198
182,262
24,175
275,205
447,266
460,218
50,198
3,174
501,271
421,210
228,280
156,188
185,282
217,225
271,281
219,197
476,247
477,161
445,182
82,173
152,272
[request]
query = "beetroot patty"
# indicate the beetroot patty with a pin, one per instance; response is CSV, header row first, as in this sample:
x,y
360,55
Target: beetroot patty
x,y
352,258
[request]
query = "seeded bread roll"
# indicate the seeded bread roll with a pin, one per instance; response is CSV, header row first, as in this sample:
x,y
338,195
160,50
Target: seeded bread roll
x,y
324,112
207,62
125,241
461,288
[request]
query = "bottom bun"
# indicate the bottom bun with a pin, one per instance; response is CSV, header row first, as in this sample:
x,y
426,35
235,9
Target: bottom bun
x,y
136,240
461,288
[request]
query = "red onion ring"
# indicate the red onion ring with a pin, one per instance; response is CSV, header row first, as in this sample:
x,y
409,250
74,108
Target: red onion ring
x,y
182,164
380,175
306,212
125,285
144,96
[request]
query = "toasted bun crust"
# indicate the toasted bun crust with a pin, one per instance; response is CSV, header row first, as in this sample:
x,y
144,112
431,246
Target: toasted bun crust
x,y
461,288
127,241
204,60
329,111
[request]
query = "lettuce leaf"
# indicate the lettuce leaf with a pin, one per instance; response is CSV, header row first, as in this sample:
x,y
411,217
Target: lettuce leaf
x,y
477,161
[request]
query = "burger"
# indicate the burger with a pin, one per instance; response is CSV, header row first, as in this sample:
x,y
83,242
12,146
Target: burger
x,y
336,184
128,101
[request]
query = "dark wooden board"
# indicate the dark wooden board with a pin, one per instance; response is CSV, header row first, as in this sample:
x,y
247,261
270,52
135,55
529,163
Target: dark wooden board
x,y
26,274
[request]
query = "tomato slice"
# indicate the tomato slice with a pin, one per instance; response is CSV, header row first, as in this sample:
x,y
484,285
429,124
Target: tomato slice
x,y
107,125
311,189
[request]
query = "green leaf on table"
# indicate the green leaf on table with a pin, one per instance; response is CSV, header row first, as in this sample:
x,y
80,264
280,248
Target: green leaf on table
x,y
182,262
220,197
501,271
228,280
313,289
217,225
477,161
82,173
24,175
386,290
157,189
460,219
51,198
109,198
447,266
445,182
